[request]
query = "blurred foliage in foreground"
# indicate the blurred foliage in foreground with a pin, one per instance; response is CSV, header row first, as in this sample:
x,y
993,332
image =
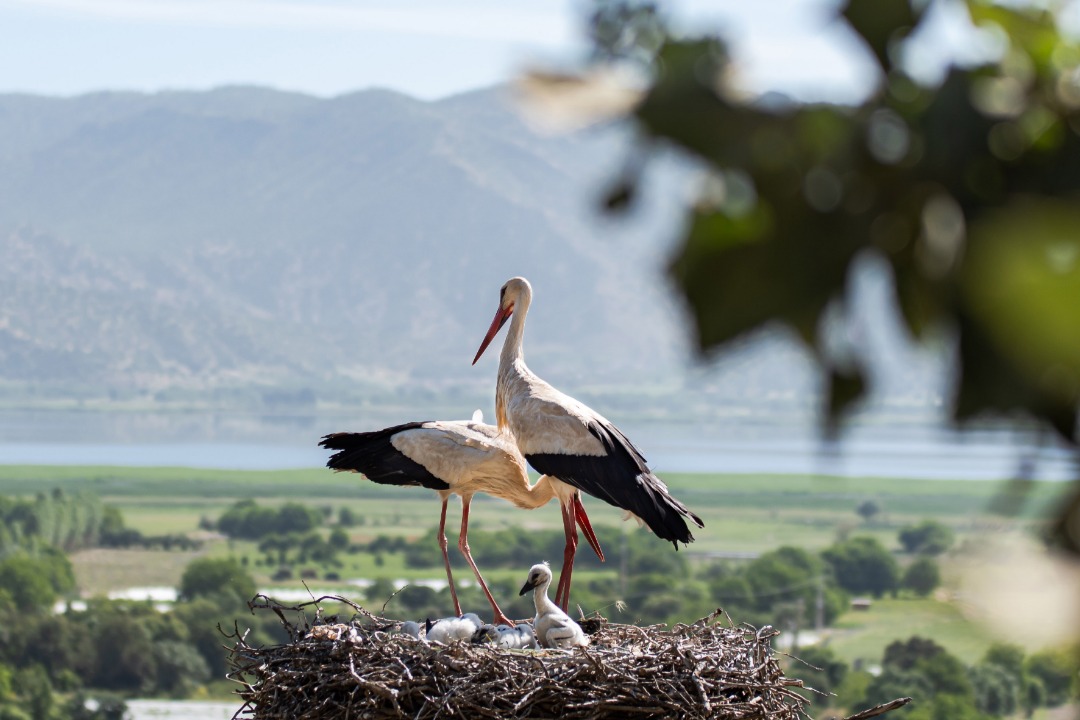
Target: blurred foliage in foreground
x,y
967,188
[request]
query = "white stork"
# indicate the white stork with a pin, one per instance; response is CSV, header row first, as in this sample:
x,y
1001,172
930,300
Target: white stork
x,y
572,443
451,457
553,627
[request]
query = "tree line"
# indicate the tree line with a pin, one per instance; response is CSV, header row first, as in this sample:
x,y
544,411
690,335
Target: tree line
x,y
653,584
786,586
57,519
70,522
52,663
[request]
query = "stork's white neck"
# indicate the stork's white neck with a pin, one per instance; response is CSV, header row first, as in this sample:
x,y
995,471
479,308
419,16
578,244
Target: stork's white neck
x,y
512,348
542,601
541,492
528,497
512,358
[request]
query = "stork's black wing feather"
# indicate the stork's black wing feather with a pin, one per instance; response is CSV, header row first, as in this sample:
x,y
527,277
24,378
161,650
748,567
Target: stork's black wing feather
x,y
621,478
373,454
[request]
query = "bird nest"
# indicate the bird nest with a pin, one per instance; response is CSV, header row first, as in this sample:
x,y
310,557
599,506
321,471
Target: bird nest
x,y
359,668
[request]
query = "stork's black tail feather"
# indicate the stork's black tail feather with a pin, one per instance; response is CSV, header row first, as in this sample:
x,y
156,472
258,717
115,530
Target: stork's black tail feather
x,y
605,478
374,455
623,479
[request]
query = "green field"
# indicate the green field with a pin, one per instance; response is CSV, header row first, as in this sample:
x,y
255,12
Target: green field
x,y
860,635
743,514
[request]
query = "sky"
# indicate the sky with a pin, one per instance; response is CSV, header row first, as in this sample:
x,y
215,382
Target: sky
x,y
426,48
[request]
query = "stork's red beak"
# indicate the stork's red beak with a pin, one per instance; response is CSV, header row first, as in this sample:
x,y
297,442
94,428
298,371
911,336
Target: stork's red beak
x,y
501,316
586,526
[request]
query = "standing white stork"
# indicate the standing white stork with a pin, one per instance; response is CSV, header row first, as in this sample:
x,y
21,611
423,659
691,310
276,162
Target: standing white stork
x,y
564,439
451,457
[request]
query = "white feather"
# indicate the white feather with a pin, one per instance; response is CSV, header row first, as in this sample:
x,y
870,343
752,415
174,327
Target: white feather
x,y
461,628
512,638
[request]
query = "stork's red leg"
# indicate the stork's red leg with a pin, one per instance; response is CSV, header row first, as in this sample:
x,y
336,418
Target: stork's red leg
x,y
463,545
562,593
446,557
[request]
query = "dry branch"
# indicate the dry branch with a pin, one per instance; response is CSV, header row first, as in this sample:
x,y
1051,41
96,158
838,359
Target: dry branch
x,y
879,709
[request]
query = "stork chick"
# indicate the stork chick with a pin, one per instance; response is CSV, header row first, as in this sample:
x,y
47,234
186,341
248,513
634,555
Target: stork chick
x,y
455,628
509,638
553,627
410,628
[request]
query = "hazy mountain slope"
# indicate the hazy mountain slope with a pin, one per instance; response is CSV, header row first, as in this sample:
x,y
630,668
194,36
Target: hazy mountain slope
x,y
244,237
73,318
264,234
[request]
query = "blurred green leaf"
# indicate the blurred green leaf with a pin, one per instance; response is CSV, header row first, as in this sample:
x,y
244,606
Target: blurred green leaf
x,y
919,300
879,22
1030,29
845,388
737,274
716,268
989,382
970,189
956,148
1065,532
1021,281
686,106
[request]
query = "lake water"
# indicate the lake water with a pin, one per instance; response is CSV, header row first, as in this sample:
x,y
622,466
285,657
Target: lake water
x,y
165,595
258,443
181,710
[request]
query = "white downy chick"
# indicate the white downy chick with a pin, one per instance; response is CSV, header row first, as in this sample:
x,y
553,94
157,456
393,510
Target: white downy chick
x,y
455,628
506,637
410,628
553,627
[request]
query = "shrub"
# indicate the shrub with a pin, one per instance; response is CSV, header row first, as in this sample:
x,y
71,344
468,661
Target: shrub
x,y
1056,670
928,537
863,565
216,577
921,577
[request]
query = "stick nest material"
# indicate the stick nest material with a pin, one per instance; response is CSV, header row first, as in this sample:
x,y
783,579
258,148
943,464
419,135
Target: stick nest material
x,y
362,669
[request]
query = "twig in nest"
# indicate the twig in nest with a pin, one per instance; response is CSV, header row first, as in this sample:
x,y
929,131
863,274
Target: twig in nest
x,y
880,709
392,596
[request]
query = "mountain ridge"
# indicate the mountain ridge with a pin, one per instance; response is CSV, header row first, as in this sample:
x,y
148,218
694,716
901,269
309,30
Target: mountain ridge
x,y
242,237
